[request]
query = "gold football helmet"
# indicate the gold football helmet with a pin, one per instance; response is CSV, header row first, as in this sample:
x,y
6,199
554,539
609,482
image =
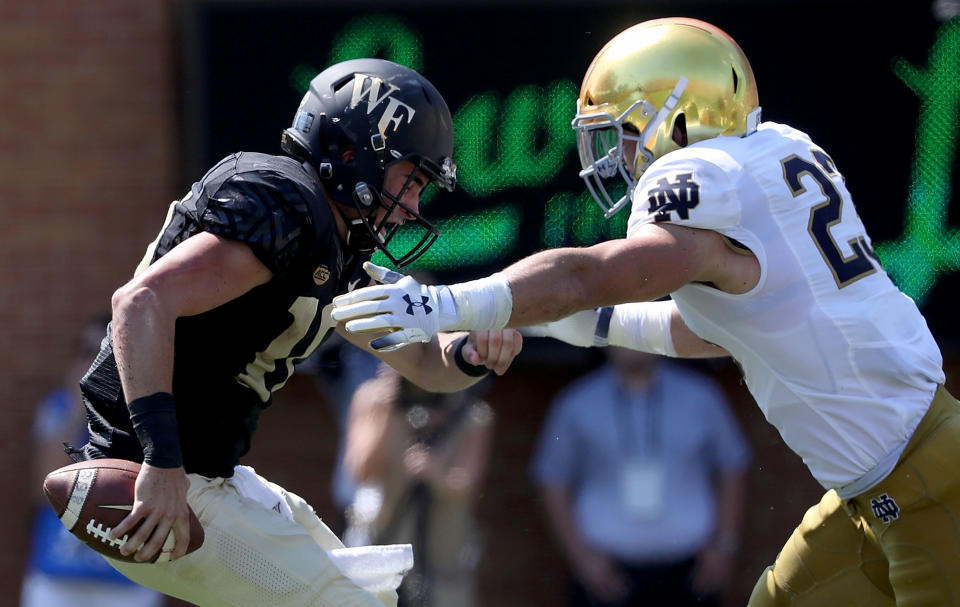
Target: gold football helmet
x,y
654,88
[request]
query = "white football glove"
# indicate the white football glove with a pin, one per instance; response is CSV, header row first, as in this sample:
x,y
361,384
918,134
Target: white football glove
x,y
585,328
411,311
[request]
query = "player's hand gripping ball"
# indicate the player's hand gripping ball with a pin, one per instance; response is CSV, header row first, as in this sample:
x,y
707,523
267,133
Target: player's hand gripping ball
x,y
92,497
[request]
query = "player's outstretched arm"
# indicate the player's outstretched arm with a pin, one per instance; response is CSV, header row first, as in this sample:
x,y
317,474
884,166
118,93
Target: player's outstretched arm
x,y
437,366
654,327
547,286
412,327
655,261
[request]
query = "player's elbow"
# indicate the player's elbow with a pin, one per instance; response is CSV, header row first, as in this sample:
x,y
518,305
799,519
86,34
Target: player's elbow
x,y
135,299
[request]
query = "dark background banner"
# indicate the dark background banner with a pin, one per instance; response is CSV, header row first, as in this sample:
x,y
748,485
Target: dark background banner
x,y
863,79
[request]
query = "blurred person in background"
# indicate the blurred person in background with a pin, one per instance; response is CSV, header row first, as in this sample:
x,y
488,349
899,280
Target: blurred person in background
x,y
419,460
749,226
641,467
61,569
338,369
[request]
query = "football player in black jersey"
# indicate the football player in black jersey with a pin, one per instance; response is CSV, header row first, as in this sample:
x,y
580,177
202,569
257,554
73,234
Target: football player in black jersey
x,y
233,292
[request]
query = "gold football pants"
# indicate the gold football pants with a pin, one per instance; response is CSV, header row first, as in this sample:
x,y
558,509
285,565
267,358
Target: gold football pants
x,y
896,544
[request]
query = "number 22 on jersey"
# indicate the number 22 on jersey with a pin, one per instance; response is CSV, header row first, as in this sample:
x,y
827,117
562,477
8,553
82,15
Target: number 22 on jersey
x,y
827,214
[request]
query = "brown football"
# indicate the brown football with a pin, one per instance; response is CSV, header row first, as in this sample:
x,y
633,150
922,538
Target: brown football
x,y
92,497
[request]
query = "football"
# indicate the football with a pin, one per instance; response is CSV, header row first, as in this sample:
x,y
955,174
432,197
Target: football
x,y
92,497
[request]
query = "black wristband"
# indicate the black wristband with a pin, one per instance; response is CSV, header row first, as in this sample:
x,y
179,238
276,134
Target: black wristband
x,y
601,334
154,420
468,368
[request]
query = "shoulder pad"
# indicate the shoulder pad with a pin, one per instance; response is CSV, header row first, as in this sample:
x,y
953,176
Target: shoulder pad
x,y
690,187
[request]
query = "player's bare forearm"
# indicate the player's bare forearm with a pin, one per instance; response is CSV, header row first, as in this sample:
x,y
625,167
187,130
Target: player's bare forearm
x,y
556,283
142,341
432,366
421,363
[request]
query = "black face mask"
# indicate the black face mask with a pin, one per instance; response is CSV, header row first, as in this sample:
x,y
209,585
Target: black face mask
x,y
419,233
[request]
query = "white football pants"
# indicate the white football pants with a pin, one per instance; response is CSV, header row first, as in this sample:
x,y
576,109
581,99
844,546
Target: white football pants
x,y
255,553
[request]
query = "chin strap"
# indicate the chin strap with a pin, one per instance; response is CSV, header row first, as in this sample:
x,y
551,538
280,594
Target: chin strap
x,y
649,131
753,121
358,237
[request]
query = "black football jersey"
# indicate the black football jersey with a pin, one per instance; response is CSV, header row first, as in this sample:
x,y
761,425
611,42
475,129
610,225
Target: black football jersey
x,y
229,360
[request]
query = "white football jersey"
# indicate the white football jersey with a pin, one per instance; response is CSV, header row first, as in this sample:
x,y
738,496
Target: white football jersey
x,y
838,359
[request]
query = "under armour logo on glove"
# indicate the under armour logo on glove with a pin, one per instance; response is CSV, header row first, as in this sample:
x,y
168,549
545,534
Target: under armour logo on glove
x,y
417,304
885,508
389,306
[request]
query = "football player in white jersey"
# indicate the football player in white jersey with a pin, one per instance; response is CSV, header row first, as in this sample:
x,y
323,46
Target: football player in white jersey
x,y
748,226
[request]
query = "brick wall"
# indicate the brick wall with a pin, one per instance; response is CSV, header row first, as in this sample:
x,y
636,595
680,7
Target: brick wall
x,y
87,151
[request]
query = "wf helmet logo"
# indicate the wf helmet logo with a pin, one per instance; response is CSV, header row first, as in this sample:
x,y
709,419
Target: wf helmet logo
x,y
368,87
417,304
885,508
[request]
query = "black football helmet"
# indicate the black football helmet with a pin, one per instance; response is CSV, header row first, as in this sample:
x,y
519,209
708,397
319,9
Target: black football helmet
x,y
358,118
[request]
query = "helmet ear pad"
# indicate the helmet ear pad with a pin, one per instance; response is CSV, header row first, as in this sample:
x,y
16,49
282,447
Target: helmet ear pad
x,y
364,196
680,130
